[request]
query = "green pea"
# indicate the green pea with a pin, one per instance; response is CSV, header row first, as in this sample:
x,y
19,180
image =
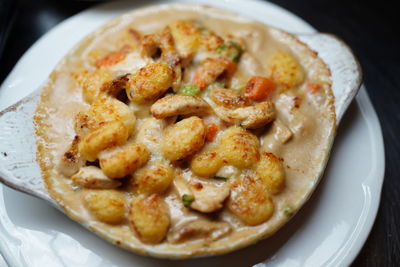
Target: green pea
x,y
187,200
189,89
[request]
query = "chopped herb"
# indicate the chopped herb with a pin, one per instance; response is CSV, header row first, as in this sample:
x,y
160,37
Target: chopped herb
x,y
288,211
189,89
231,50
222,48
206,245
220,178
203,29
187,200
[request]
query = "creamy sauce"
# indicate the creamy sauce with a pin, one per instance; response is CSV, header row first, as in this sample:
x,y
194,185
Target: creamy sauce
x,y
304,155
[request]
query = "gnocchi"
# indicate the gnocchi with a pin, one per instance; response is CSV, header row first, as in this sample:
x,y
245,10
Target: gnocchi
x,y
108,135
149,82
124,161
249,201
271,172
183,138
285,70
91,83
107,206
186,36
239,147
149,217
154,179
105,109
206,163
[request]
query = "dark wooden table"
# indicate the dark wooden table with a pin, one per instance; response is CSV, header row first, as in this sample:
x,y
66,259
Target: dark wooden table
x,y
371,30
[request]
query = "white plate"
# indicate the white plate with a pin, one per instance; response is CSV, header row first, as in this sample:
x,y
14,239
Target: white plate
x,y
329,230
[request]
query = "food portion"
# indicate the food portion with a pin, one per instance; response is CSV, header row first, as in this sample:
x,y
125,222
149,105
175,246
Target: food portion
x,y
189,134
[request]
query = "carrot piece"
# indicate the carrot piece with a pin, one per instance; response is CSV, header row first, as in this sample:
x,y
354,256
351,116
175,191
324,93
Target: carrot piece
x,y
200,81
230,69
259,88
212,130
111,59
313,87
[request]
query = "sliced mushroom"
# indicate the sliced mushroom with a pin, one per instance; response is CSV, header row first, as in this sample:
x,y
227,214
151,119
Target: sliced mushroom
x,y
71,160
173,105
250,117
93,177
198,229
281,131
208,196
255,116
229,98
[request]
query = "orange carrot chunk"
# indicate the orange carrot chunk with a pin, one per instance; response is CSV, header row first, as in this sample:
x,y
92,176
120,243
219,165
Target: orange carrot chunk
x,y
111,59
259,88
230,69
313,87
212,130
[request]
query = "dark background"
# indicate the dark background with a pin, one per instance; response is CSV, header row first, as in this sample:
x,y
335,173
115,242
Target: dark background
x,y
370,29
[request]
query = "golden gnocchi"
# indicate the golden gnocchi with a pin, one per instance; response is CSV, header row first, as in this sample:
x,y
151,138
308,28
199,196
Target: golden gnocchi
x,y
107,206
107,135
92,82
104,109
285,69
154,179
150,82
186,36
149,217
183,138
271,172
250,201
124,161
206,163
239,147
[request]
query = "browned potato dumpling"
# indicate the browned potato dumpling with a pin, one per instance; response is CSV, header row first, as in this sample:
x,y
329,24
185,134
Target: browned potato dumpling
x,y
249,201
285,70
119,163
149,217
152,180
111,109
106,205
108,135
239,147
91,83
186,36
271,172
183,138
206,163
149,82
